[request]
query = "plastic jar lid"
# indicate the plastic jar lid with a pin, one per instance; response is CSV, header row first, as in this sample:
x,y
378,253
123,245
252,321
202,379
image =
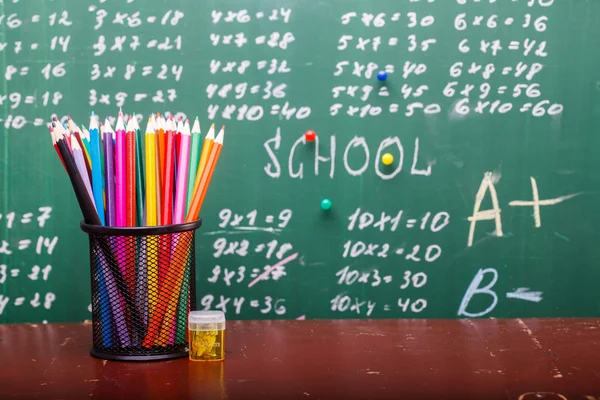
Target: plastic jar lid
x,y
206,320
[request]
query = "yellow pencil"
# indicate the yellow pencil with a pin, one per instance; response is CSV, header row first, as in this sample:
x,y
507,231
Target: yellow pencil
x,y
209,140
151,217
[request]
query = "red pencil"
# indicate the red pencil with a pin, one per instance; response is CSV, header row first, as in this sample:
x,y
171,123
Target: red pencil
x,y
167,192
130,200
52,136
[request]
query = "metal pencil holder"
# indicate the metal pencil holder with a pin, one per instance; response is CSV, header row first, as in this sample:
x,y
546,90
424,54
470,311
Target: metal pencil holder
x,y
143,287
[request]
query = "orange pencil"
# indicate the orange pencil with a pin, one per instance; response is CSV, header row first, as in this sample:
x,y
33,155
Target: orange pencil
x,y
167,201
200,192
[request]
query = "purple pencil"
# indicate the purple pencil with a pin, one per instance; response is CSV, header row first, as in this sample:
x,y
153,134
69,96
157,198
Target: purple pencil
x,y
114,297
80,163
109,178
120,173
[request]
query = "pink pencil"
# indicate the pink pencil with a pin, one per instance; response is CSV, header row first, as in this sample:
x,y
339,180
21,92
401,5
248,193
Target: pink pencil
x,y
120,173
182,175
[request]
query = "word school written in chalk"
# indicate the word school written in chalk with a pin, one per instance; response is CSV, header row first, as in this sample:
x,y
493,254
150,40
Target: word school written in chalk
x,y
357,148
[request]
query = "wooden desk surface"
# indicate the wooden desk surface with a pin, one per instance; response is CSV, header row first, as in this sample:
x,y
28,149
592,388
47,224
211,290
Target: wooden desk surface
x,y
344,359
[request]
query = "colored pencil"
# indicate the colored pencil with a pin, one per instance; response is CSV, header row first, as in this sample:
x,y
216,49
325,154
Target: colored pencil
x,y
120,172
139,168
151,178
177,270
85,202
182,176
177,143
151,214
85,139
167,201
109,176
124,178
206,149
62,131
180,197
80,163
76,133
200,192
167,189
160,323
194,158
159,127
101,126
130,164
105,298
97,177
55,145
130,212
113,295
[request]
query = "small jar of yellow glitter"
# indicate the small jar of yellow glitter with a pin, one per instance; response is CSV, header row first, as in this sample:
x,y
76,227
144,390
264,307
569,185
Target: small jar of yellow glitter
x,y
206,335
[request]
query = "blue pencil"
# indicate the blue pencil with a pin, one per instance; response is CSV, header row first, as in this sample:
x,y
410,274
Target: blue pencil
x,y
104,309
109,168
97,177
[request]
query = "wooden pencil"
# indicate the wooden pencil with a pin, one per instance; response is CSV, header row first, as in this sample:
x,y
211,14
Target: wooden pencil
x,y
182,176
140,173
120,173
51,128
97,176
109,175
76,133
131,175
167,189
151,215
161,141
85,202
194,158
205,179
206,149
80,163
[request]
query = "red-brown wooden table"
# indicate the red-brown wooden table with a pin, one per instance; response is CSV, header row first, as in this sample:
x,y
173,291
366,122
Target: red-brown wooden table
x,y
529,359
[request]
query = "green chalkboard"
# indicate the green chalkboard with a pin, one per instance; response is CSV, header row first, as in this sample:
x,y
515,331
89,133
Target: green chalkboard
x,y
490,110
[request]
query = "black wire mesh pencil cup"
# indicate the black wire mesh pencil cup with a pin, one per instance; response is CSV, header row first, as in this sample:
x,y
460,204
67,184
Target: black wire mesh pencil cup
x,y
143,287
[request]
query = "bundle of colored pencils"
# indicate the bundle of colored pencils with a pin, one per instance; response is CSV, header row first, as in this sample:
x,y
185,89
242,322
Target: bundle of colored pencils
x,y
117,186
122,178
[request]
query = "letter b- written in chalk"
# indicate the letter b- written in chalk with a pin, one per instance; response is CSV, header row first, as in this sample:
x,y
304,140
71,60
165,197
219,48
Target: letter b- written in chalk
x,y
475,289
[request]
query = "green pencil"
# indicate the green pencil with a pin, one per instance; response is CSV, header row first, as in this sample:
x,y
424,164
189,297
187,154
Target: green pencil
x,y
194,159
140,176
